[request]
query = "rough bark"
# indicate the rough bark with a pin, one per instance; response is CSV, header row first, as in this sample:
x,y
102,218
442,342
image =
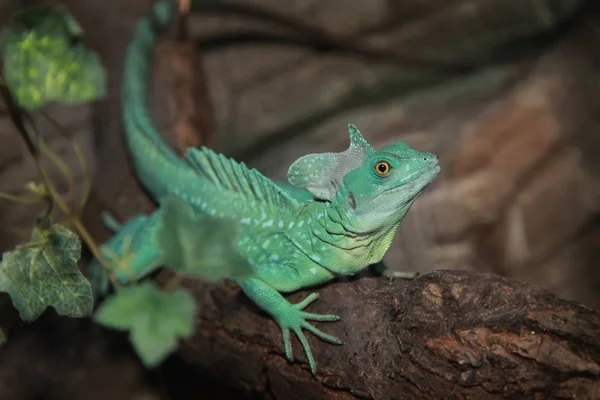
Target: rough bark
x,y
445,335
518,191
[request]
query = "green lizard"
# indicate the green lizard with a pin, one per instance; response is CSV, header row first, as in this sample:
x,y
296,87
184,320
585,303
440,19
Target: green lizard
x,y
337,216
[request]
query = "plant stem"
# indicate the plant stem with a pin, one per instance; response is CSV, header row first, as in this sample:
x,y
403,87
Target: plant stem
x,y
16,115
172,283
18,199
81,229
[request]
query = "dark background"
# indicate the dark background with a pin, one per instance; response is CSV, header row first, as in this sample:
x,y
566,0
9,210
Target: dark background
x,y
506,92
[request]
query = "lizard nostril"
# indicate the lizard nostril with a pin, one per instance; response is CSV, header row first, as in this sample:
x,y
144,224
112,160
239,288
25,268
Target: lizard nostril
x,y
430,158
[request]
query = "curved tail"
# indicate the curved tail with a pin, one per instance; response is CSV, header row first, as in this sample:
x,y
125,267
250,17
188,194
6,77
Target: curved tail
x,y
160,170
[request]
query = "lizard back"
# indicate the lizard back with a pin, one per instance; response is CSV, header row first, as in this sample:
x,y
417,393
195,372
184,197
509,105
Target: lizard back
x,y
209,182
227,188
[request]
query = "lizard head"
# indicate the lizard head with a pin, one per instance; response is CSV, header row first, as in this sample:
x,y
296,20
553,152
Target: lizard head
x,y
372,190
379,193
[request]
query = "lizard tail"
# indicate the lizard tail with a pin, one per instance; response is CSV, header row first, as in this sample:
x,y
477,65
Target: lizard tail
x,y
160,170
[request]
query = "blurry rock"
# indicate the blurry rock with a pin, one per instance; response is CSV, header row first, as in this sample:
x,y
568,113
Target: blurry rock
x,y
513,190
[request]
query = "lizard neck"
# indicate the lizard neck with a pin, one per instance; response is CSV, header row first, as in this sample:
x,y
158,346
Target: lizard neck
x,y
343,245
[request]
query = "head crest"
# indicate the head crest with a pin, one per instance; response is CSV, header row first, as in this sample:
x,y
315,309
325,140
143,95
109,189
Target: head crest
x,y
323,173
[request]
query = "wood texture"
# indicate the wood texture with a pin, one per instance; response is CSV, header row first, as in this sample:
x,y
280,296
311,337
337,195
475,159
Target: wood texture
x,y
445,335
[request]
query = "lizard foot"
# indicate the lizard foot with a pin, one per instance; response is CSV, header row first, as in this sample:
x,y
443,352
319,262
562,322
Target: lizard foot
x,y
391,275
294,319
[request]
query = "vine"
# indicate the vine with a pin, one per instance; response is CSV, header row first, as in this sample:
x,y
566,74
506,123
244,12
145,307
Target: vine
x,y
43,59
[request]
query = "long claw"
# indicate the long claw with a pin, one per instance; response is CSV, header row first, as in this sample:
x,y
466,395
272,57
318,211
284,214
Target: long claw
x,y
320,334
306,346
290,317
307,301
320,317
287,344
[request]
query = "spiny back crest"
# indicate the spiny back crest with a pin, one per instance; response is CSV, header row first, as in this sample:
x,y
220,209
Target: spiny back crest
x,y
236,179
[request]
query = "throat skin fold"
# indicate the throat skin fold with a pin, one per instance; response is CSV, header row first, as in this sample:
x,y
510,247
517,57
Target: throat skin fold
x,y
351,240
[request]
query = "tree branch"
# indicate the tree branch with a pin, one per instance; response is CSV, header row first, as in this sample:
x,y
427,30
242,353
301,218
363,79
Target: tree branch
x,y
445,335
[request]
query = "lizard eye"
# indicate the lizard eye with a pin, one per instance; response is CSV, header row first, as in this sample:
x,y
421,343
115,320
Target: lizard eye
x,y
382,168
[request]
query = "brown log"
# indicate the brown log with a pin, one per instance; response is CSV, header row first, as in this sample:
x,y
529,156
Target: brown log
x,y
444,335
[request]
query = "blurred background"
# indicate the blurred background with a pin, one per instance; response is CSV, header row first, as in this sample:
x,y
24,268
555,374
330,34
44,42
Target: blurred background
x,y
505,92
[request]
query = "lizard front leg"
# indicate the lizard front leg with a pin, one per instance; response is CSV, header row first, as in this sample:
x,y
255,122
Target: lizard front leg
x,y
290,317
131,252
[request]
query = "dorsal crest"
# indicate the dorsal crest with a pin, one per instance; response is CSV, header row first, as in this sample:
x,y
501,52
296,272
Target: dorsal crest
x,y
233,177
322,173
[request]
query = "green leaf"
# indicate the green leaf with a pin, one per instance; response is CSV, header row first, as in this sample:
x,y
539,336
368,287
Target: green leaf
x,y
48,62
46,274
199,244
49,19
155,319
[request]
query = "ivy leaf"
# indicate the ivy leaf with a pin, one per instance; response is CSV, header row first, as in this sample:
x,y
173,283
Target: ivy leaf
x,y
46,274
155,319
48,61
49,19
199,244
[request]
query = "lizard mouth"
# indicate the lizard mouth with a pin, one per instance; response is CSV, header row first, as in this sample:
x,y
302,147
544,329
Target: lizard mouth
x,y
429,172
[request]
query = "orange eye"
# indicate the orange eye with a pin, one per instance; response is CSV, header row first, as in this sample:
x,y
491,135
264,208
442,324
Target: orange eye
x,y
382,168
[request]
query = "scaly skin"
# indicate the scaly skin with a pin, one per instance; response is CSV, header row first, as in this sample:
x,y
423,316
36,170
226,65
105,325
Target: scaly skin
x,y
338,217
